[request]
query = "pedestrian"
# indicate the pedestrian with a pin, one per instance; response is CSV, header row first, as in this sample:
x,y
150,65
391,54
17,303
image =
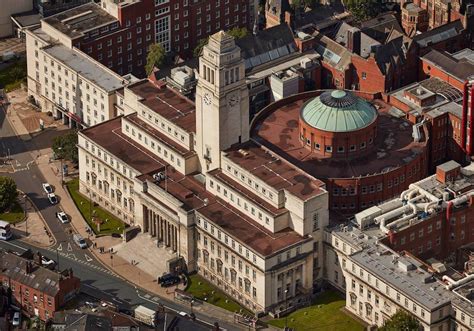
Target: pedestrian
x,y
111,249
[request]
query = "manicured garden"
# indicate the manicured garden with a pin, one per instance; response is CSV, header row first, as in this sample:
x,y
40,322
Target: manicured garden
x,y
14,214
201,289
110,224
324,314
12,76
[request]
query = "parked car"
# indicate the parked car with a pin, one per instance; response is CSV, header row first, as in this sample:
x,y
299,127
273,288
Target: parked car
x,y
16,321
47,188
79,241
62,217
52,198
48,263
168,280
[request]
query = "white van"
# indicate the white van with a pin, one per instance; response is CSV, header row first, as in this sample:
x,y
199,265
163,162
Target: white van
x,y
79,241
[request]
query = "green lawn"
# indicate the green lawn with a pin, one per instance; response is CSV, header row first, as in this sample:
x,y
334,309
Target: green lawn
x,y
327,317
14,215
12,76
113,225
201,289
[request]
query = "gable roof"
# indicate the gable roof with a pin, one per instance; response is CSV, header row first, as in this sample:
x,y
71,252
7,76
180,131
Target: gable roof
x,y
393,52
380,27
461,68
267,45
439,34
339,35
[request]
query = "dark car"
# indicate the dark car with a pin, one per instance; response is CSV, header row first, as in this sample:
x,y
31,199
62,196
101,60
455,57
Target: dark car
x,y
168,280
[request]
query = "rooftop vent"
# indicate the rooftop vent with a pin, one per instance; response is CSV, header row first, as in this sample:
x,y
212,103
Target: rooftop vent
x,y
158,177
243,152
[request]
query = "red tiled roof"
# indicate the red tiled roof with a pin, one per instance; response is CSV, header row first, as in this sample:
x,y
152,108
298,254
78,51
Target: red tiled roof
x,y
247,231
109,136
274,171
167,103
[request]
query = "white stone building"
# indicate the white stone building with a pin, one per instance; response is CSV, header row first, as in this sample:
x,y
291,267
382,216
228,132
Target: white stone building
x,y
379,281
190,176
70,84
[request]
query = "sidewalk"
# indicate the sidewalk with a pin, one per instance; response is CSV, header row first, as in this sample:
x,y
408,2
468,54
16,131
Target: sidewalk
x,y
34,224
117,264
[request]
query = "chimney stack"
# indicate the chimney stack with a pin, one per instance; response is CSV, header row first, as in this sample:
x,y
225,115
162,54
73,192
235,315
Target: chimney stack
x,y
40,258
353,40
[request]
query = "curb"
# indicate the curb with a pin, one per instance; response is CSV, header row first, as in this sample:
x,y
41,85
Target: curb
x,y
44,221
24,137
91,250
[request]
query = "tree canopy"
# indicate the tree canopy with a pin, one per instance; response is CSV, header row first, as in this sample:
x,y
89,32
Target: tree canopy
x,y
65,147
236,32
401,321
8,193
155,57
363,9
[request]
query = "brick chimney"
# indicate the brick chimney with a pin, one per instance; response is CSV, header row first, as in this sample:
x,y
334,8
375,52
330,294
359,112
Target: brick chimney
x,y
353,40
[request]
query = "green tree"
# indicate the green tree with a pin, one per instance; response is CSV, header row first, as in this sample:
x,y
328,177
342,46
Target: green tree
x,y
198,49
8,193
65,147
237,33
304,3
401,321
155,57
363,9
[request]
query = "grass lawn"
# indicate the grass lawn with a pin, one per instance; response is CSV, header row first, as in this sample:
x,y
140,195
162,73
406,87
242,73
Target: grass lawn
x,y
113,225
328,317
204,290
14,215
12,76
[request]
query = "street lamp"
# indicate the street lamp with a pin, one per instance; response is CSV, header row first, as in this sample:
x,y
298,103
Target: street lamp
x,y
286,308
26,223
62,178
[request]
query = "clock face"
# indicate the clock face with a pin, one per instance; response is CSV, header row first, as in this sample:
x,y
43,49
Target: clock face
x,y
207,99
233,100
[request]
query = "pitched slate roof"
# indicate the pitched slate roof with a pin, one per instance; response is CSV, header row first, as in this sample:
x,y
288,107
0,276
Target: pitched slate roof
x,y
380,27
439,34
460,68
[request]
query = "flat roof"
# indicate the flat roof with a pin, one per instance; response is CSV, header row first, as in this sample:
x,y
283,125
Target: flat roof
x,y
224,178
109,136
135,119
76,21
86,67
394,145
247,231
274,171
416,283
167,103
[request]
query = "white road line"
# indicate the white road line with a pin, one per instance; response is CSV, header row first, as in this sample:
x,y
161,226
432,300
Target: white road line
x,y
9,243
88,259
60,247
69,247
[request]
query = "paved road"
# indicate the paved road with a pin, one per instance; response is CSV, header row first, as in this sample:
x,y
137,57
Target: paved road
x,y
103,285
29,179
94,277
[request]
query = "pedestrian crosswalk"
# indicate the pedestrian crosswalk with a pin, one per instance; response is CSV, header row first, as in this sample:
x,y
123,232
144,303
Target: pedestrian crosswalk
x,y
87,261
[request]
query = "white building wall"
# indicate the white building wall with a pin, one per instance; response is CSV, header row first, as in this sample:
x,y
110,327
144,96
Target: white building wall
x,y
9,8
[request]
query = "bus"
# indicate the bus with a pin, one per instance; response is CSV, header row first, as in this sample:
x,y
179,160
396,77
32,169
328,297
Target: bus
x,y
5,231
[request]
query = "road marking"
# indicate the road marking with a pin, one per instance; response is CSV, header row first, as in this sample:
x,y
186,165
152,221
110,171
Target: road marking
x,y
9,243
28,164
88,259
60,247
72,256
69,247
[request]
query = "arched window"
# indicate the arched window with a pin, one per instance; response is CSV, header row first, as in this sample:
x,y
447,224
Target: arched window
x,y
353,299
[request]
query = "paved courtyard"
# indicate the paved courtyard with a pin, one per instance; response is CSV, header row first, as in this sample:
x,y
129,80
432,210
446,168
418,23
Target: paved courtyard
x,y
149,258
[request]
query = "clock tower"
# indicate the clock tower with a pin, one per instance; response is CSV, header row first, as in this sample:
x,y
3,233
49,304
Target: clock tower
x,y
222,101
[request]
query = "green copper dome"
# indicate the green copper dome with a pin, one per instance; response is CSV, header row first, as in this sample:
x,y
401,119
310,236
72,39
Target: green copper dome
x,y
338,111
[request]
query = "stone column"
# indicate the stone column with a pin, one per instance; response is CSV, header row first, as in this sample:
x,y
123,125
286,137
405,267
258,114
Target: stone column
x,y
145,219
175,238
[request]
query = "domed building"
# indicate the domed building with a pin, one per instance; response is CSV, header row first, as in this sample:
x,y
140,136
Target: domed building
x,y
361,148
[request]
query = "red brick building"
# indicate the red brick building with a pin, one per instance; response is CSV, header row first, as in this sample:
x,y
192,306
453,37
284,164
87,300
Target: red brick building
x,y
446,231
363,153
118,33
37,290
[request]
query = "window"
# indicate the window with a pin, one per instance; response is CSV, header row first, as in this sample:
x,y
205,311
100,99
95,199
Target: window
x,y
328,149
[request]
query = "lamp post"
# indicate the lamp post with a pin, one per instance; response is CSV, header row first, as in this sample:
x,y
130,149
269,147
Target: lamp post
x,y
286,308
62,172
26,222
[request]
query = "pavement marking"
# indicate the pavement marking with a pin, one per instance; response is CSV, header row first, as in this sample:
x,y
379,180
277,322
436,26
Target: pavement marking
x,y
9,243
69,247
60,247
88,259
